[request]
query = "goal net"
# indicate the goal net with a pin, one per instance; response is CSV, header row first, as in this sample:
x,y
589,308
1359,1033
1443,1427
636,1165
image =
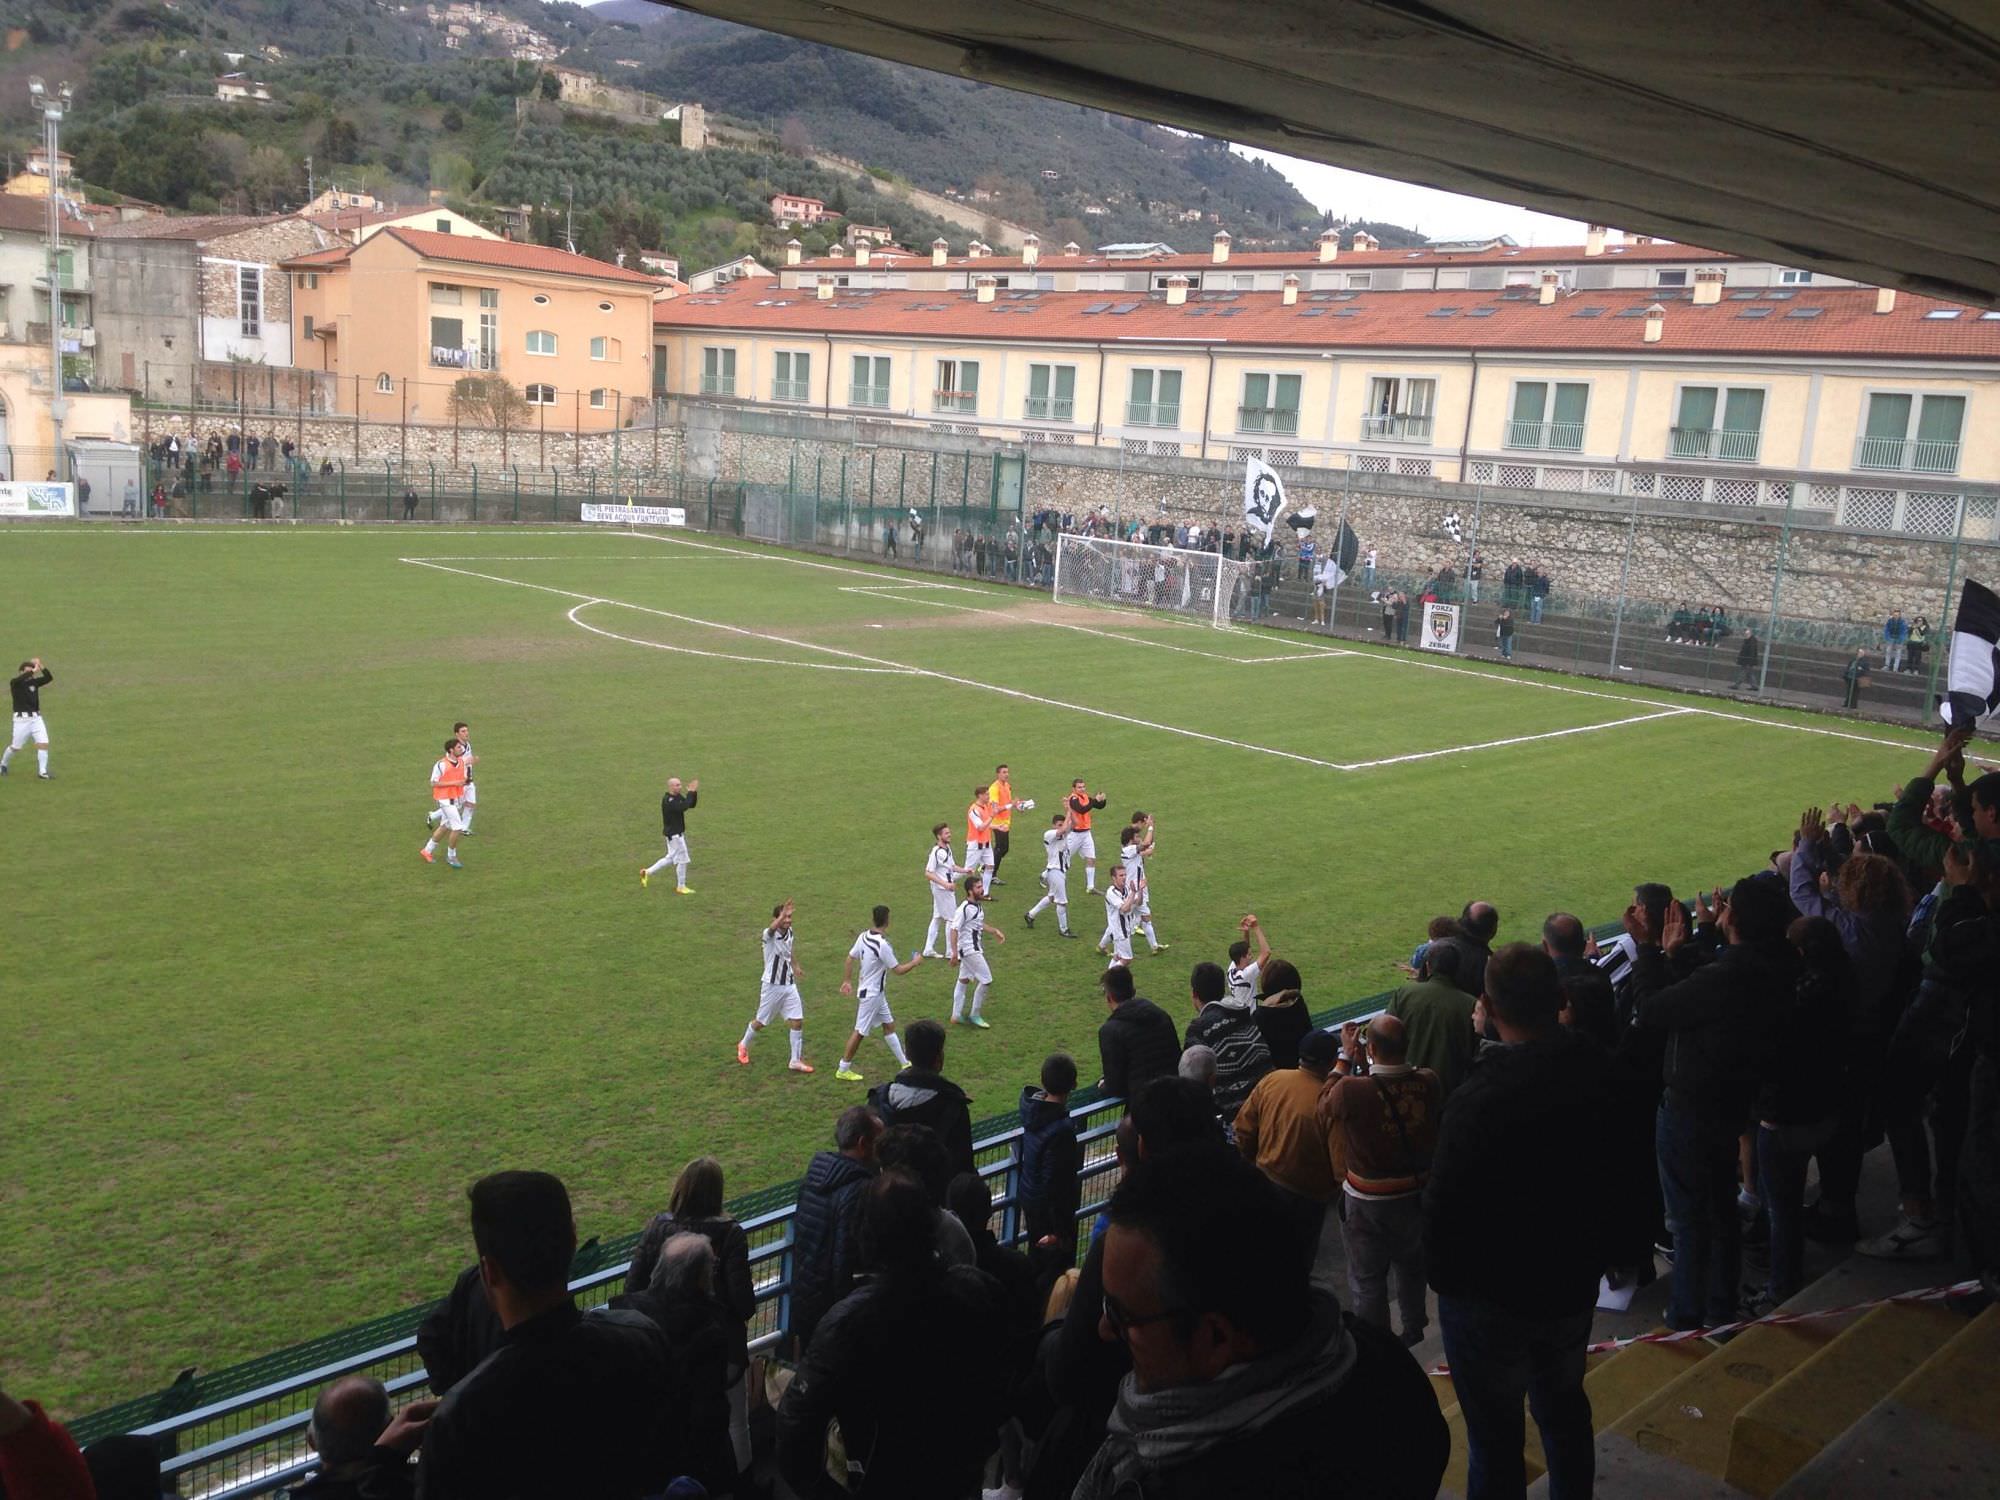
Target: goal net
x,y
1200,585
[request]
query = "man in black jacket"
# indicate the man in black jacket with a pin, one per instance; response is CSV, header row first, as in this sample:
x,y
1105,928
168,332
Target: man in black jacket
x,y
566,1401
1588,1004
458,1333
1720,1024
825,1254
363,1448
1238,1382
1231,1033
1543,1139
922,1095
1137,1041
911,1363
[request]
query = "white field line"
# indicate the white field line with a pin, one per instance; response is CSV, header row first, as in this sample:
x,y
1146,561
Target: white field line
x,y
761,661
1519,739
237,528
881,664
652,557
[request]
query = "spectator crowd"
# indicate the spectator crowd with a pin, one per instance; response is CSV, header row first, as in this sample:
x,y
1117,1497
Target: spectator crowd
x,y
1522,1121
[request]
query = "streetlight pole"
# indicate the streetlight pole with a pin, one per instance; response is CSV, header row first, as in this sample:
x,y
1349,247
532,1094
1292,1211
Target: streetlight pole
x,y
51,103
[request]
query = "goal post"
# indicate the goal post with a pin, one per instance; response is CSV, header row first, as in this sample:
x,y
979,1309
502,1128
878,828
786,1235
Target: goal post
x,y
1132,575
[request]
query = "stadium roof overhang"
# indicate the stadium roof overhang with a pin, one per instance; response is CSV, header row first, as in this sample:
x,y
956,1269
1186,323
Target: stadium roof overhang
x,y
1861,137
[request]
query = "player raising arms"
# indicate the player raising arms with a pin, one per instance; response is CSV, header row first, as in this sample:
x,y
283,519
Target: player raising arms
x,y
447,788
1055,876
1244,971
871,1009
780,993
1082,803
674,808
966,946
1135,847
979,835
26,687
1120,902
939,875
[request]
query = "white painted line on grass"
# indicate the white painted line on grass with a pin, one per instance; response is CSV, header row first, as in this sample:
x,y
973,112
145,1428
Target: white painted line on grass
x,y
761,661
1519,739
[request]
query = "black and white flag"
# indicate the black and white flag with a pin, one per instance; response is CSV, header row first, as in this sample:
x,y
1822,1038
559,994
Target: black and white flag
x,y
1972,682
1263,496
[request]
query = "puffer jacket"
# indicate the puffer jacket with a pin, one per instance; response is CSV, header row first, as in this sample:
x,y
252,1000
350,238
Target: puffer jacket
x,y
825,1254
918,1096
1051,1157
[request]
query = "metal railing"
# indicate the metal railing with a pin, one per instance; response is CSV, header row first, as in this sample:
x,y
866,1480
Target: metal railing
x,y
791,390
718,385
868,395
1281,420
1562,437
1916,455
1396,427
955,401
1730,444
1152,414
1050,409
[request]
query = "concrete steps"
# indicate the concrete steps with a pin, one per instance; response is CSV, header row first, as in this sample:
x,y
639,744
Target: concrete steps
x,y
1690,1419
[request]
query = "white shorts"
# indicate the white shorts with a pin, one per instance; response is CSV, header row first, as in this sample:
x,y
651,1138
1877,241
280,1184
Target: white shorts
x,y
943,903
1080,842
471,795
29,729
780,1001
871,1011
977,857
973,966
677,849
451,818
1121,939
1056,883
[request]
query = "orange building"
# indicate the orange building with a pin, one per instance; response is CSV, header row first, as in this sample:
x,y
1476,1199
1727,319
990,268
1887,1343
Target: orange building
x,y
405,315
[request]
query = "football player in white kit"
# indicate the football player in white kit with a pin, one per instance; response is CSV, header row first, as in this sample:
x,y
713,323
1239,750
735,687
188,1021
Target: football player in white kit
x,y
1121,900
469,802
965,945
1055,876
940,874
878,961
1244,971
1135,842
780,995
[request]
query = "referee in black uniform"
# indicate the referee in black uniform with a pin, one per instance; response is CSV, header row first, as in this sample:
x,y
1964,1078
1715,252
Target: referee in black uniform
x,y
26,687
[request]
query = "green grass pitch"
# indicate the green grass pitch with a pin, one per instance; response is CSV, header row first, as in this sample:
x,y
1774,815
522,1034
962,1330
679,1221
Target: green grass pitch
x,y
255,1048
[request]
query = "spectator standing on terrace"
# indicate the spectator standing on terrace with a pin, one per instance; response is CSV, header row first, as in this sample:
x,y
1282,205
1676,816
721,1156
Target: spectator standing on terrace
x,y
1402,605
1503,632
1748,655
912,1428
1230,1031
363,1446
922,1095
1855,676
1280,1132
1368,568
1475,570
1240,1382
1538,595
889,537
1542,1114
1478,925
1722,1025
708,1358
825,1252
696,1208
1388,617
1136,1043
1895,639
1436,1012
1587,999
1920,642
409,505
1382,1126
1051,1156
1281,1010
604,1383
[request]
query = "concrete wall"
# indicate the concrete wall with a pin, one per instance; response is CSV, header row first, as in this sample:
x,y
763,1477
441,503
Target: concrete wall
x,y
146,311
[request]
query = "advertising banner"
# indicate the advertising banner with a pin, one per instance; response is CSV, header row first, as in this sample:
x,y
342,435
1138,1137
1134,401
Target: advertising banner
x,y
637,515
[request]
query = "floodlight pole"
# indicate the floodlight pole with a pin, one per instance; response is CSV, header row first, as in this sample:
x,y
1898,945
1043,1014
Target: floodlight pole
x,y
1624,572
51,103
1778,589
1945,618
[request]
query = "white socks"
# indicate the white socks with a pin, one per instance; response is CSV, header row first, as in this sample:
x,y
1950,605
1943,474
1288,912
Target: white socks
x,y
1062,911
931,932
430,844
979,999
896,1049
1151,937
798,1044
468,822
958,999
42,761
6,755
681,873
1090,877
656,866
750,1035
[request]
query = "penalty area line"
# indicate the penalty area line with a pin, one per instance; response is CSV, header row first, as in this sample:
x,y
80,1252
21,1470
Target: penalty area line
x,y
1519,739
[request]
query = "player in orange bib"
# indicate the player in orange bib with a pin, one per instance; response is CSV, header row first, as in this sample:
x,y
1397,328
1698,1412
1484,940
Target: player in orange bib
x,y
979,835
1082,803
1004,803
448,791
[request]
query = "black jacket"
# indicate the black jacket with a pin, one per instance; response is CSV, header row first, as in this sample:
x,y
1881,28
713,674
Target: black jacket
x,y
1721,1024
825,1256
387,1476
1552,1139
734,1288
674,810
1242,1056
703,1338
563,1394
1137,1043
458,1333
1807,1077
1284,1021
917,1096
1051,1157
907,1364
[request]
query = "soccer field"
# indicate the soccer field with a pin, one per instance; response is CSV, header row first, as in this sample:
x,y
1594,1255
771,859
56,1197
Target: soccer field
x,y
256,1048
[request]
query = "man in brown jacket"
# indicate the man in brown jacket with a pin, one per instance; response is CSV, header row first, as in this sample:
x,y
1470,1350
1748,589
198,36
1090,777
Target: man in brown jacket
x,y
1383,1127
1278,1130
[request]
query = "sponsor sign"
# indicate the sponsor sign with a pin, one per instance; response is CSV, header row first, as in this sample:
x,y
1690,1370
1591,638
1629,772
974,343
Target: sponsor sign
x,y
637,515
1440,631
18,498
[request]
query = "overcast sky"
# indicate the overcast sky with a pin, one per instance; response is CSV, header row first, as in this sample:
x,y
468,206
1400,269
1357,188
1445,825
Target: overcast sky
x,y
1441,216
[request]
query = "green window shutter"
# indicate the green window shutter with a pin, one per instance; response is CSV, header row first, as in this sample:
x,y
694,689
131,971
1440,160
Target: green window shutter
x,y
1256,388
1142,387
1170,388
1531,400
1065,382
1888,416
1572,401
1940,419
968,377
1287,398
1697,408
1038,382
1743,411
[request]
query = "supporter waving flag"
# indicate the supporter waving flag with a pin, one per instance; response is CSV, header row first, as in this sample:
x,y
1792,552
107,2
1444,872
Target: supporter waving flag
x,y
1263,496
1972,682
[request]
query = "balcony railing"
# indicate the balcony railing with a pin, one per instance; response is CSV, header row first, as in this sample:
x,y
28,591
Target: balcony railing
x,y
1715,442
1280,420
1051,409
1152,414
718,385
1917,455
1560,437
868,395
1396,427
791,390
444,356
955,401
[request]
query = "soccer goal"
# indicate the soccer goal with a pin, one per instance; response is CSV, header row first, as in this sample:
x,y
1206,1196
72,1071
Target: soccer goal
x,y
1201,585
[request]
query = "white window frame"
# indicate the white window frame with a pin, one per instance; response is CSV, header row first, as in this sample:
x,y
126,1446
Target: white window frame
x,y
447,294
535,334
1794,276
1508,423
1963,395
384,384
950,394
787,383
598,400
877,364
1717,450
1271,424
535,400
1154,405
1049,411
250,307
1395,426
1679,275
718,369
606,349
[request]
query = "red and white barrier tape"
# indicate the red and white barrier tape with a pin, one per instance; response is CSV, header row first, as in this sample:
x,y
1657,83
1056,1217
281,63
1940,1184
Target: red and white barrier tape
x,y
1926,1294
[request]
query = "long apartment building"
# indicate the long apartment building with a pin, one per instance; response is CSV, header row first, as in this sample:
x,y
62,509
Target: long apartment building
x,y
1878,409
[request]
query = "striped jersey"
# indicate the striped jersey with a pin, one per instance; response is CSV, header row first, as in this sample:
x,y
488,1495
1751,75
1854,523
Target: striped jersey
x,y
939,865
1242,984
1057,843
970,920
1115,914
1134,863
877,959
777,957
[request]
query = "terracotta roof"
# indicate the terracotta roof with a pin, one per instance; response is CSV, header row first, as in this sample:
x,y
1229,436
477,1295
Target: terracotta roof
x,y
361,218
22,212
1779,321
190,226
1655,252
333,256
466,250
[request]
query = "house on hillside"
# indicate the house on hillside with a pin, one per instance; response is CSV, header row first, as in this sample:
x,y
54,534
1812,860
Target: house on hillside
x,y
32,180
241,88
356,224
331,199
400,318
790,209
660,264
873,234
743,268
